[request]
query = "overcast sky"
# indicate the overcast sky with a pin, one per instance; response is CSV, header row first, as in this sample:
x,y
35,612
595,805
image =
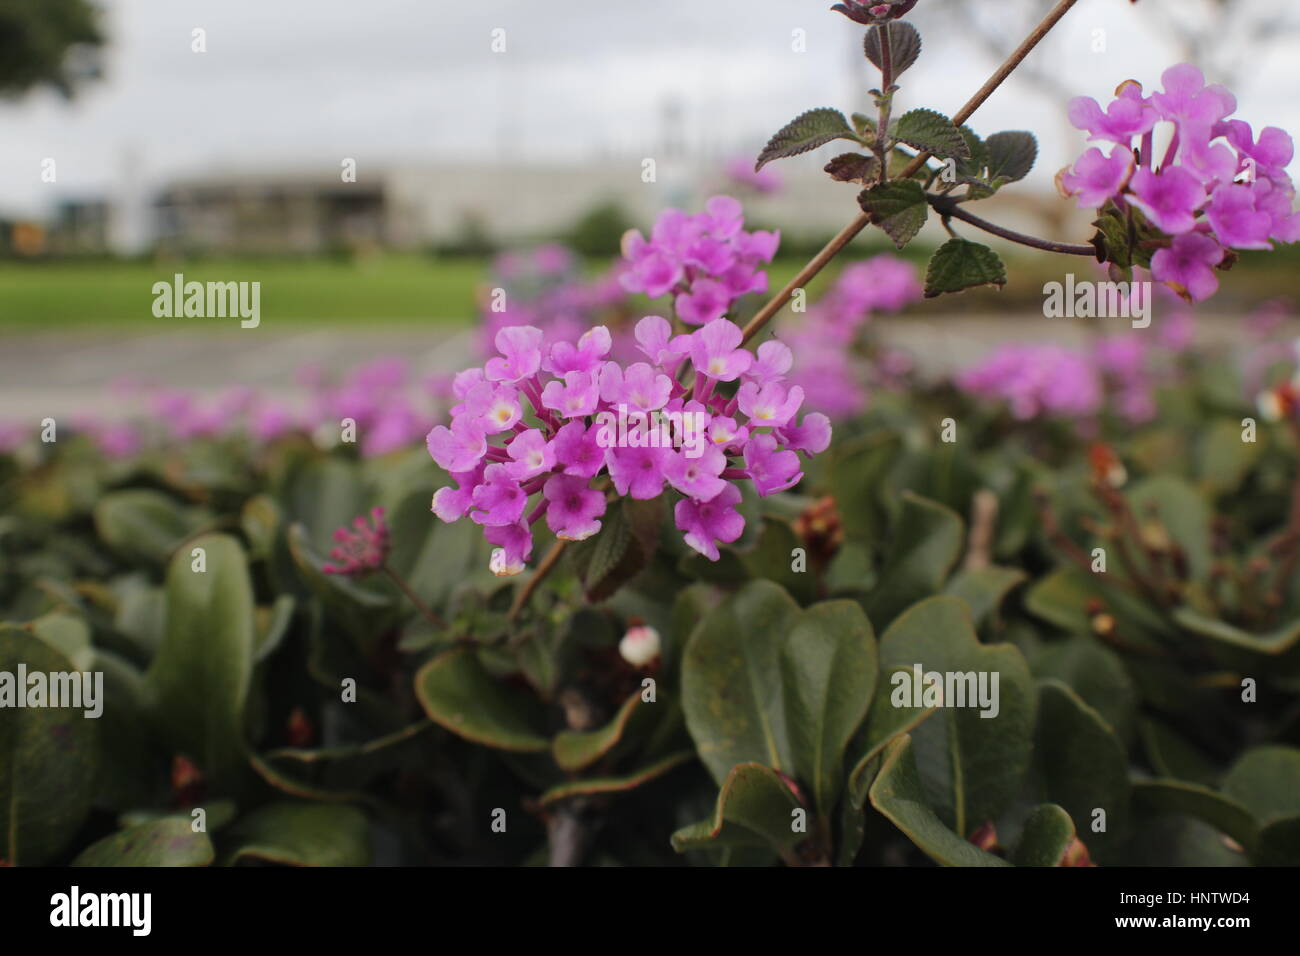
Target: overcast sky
x,y
299,84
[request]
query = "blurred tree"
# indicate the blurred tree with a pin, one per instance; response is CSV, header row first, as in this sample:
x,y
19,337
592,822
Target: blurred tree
x,y
599,231
48,43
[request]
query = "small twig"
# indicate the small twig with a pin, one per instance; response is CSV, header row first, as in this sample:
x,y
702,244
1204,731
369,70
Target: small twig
x,y
948,207
546,566
425,611
983,522
845,235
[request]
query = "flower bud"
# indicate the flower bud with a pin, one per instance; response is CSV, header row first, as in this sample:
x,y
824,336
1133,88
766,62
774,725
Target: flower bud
x,y
639,646
870,12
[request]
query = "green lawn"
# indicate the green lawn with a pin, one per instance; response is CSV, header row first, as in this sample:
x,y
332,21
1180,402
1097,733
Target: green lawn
x,y
400,288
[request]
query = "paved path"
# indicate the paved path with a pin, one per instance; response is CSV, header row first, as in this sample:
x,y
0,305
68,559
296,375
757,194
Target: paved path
x,y
61,373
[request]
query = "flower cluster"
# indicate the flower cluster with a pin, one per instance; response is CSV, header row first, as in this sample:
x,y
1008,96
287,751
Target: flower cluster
x,y
834,379
538,422
1217,186
706,261
1037,380
361,549
869,12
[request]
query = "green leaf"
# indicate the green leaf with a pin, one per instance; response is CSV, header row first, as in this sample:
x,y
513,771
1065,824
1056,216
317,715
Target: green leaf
x,y
621,549
49,757
1047,834
970,765
898,207
930,132
754,805
858,475
170,841
591,786
359,610
1097,675
301,834
1194,800
1279,843
144,525
1081,764
1011,156
577,750
764,682
202,673
904,46
885,722
960,264
1182,511
458,693
338,772
1266,781
897,793
854,168
984,589
806,132
1273,643
974,166
926,543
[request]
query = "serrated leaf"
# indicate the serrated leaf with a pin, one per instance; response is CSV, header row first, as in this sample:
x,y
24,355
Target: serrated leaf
x,y
804,133
621,549
961,264
854,168
974,165
904,46
1011,156
899,208
931,132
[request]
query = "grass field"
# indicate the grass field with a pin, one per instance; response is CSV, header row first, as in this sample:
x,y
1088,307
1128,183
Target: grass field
x,y
407,288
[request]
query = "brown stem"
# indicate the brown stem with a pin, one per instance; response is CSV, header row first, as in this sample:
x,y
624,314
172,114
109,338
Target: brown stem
x,y
546,566
845,235
947,206
425,611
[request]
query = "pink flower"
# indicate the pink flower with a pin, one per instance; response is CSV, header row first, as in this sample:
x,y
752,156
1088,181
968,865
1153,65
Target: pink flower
x,y
696,477
708,523
514,548
578,451
451,504
640,388
1187,100
592,347
499,499
1170,198
707,300
361,549
1097,178
773,362
637,471
716,351
770,405
522,347
1128,116
1188,266
654,336
771,470
573,509
812,436
532,454
576,397
458,448
1236,221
